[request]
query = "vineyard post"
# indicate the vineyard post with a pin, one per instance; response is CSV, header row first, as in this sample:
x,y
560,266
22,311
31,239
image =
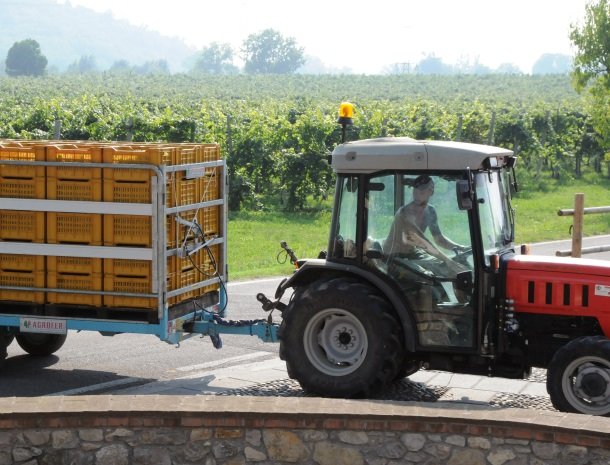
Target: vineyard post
x,y
458,131
229,136
129,136
492,128
57,133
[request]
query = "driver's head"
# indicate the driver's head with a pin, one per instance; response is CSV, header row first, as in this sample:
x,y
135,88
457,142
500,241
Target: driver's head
x,y
423,188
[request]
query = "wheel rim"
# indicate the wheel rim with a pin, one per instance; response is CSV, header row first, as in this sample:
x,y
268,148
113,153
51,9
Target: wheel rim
x,y
586,385
335,342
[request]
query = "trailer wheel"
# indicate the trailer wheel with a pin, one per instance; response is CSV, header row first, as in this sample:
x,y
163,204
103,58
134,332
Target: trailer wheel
x,y
40,344
340,338
578,378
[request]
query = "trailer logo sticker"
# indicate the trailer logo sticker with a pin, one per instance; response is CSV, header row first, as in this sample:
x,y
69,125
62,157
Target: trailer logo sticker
x,y
603,291
39,325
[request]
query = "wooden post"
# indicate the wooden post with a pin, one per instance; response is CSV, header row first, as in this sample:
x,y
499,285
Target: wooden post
x,y
579,211
458,131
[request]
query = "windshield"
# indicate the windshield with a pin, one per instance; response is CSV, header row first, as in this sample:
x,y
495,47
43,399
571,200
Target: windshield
x,y
494,212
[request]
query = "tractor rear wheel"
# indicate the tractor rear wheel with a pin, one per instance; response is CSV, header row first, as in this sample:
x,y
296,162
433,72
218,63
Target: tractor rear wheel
x,y
340,338
40,344
578,378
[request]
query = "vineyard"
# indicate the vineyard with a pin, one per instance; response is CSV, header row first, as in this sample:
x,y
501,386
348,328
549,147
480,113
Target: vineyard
x,y
277,130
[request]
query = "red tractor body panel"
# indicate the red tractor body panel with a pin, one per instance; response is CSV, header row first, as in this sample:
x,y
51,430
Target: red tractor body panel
x,y
560,286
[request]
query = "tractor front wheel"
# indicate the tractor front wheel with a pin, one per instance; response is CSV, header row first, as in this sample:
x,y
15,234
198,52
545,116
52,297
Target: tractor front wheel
x,y
578,378
340,338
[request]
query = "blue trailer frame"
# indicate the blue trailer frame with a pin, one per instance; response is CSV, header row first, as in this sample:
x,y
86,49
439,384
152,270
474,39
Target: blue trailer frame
x,y
205,319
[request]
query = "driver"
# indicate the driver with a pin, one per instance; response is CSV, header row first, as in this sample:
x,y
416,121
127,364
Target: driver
x,y
406,236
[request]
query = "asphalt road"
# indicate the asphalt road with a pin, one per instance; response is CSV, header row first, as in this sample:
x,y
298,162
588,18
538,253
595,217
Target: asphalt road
x,y
91,363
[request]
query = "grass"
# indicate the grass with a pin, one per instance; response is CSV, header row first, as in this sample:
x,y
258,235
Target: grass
x,y
254,241
254,237
536,210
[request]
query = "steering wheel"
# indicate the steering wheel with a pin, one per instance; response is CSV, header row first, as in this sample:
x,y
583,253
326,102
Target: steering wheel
x,y
461,255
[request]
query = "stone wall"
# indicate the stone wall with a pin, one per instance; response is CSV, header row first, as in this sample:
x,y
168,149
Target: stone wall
x,y
237,430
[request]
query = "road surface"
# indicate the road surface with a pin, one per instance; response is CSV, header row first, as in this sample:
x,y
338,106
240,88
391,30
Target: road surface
x,y
92,363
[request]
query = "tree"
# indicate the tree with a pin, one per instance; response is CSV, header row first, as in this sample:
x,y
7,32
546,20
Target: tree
x,y
217,58
153,67
552,63
268,52
592,64
592,42
84,65
432,64
121,67
25,59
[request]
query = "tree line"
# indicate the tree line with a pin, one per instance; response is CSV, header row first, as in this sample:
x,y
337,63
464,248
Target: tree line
x,y
266,52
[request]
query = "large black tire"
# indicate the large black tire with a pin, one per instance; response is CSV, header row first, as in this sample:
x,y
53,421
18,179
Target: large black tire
x,y
40,344
340,338
578,378
4,343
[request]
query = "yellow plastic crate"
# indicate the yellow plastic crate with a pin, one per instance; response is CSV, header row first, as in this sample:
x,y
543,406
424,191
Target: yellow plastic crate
x,y
199,267
127,191
134,284
127,230
74,265
23,188
78,273
135,154
74,228
28,263
208,218
74,281
23,226
122,275
68,153
22,278
74,189
10,150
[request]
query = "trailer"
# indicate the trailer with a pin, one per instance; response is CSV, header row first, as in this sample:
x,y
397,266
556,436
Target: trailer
x,y
114,238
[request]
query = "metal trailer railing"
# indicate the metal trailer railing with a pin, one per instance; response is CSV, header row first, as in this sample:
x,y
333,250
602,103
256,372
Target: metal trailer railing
x,y
166,329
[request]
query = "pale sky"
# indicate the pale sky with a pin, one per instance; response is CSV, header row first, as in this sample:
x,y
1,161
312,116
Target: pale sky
x,y
367,35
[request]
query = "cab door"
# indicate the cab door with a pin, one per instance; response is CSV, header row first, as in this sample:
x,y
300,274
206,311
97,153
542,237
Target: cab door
x,y
422,242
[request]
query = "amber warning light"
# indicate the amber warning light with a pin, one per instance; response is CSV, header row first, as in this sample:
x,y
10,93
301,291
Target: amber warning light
x,y
346,115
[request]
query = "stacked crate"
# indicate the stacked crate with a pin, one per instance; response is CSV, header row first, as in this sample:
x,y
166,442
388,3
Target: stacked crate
x,y
23,182
69,182
130,186
74,183
187,187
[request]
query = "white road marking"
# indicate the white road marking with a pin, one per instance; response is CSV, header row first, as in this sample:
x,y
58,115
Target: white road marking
x,y
254,281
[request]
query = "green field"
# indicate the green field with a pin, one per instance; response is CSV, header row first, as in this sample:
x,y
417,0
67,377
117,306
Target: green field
x,y
254,238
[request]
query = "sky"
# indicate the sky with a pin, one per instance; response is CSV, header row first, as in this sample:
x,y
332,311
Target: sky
x,y
366,36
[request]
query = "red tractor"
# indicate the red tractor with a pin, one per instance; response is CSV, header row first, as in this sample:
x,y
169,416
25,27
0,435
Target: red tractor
x,y
421,271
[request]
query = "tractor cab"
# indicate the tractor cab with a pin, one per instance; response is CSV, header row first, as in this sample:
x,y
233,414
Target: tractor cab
x,y
429,218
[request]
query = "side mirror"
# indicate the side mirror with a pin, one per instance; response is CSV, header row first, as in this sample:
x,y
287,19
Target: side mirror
x,y
464,194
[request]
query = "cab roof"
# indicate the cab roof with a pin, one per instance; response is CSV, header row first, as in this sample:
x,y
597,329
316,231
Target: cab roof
x,y
404,153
